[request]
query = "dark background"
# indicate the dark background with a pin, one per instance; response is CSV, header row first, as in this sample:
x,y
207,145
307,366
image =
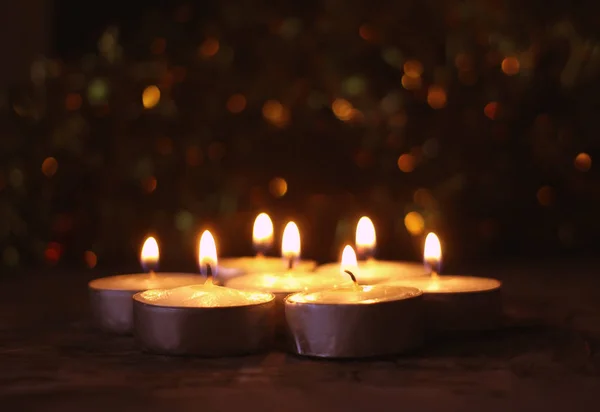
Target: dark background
x,y
492,144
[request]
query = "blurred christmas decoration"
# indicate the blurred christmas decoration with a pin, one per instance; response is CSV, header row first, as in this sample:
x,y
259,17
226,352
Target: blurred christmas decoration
x,y
476,119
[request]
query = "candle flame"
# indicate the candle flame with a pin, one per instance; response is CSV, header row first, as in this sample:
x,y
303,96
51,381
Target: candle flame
x,y
262,233
207,254
290,242
432,254
366,240
149,255
349,264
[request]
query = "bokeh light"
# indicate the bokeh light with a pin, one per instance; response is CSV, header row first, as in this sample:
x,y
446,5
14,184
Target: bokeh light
x,y
278,187
209,47
406,163
545,195
411,83
413,68
583,162
149,184
511,66
236,103
414,222
73,101
49,166
490,110
436,97
90,259
342,109
150,96
275,113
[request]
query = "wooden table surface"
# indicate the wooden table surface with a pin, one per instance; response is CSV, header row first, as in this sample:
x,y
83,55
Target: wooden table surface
x,y
548,356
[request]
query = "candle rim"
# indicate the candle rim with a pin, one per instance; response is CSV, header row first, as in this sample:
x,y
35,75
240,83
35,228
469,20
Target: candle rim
x,y
95,284
497,283
416,293
141,300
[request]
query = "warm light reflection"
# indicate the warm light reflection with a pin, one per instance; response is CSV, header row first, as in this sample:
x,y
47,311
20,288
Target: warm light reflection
x,y
414,223
262,233
150,96
366,239
207,254
432,254
149,255
290,242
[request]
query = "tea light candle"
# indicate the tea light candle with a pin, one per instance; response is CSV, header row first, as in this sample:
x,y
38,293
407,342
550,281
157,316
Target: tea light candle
x,y
355,321
292,281
262,239
205,320
374,271
110,297
455,303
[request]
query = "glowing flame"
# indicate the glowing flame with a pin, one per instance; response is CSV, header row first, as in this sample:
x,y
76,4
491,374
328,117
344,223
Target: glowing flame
x,y
432,254
262,234
366,240
149,255
290,243
207,254
349,263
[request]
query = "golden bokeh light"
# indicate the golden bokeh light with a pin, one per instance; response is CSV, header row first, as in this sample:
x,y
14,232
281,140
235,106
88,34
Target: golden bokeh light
x,y
275,113
149,184
413,68
342,109
406,163
583,162
545,195
49,166
436,97
209,47
411,83
150,96
414,222
236,103
511,66
278,187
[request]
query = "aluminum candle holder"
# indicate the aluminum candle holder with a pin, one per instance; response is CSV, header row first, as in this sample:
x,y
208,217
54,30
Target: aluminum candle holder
x,y
355,330
111,297
204,331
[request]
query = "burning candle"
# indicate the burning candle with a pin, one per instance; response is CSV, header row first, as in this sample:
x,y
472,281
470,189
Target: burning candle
x,y
187,319
456,302
374,271
110,297
262,239
356,320
281,284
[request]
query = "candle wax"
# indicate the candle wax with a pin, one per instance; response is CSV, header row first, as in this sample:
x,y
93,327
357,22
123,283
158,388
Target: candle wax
x,y
451,284
356,294
260,264
375,271
203,296
293,281
144,281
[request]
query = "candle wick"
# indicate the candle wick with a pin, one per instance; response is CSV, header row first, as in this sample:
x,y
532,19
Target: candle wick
x,y
434,275
351,276
209,274
290,263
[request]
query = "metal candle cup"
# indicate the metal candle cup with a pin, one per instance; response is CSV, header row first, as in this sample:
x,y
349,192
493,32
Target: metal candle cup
x,y
355,330
460,303
204,331
111,297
